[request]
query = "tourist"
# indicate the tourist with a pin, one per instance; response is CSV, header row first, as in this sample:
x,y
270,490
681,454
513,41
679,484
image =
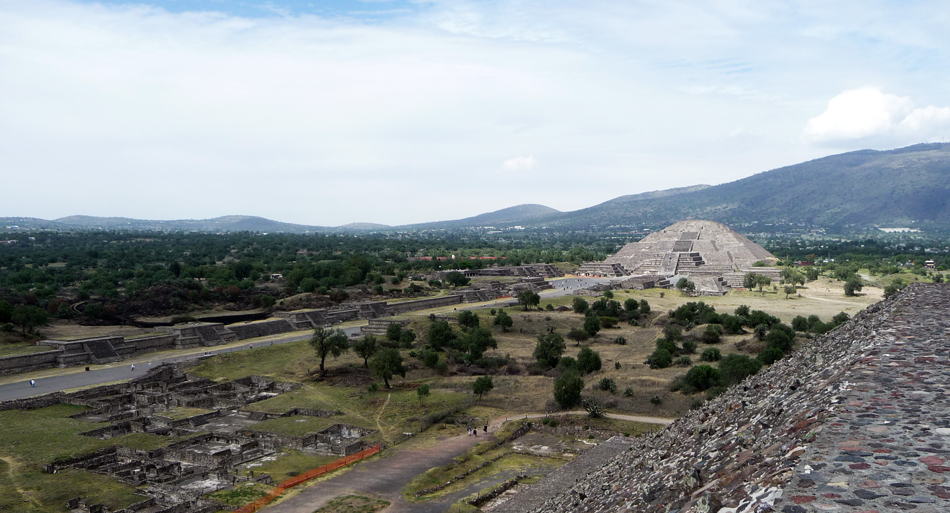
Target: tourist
x,y
32,383
133,366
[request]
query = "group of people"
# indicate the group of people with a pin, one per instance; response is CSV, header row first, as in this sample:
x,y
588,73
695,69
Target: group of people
x,y
473,431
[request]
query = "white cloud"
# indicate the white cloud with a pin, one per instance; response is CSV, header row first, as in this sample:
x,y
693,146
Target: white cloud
x,y
122,108
869,115
520,163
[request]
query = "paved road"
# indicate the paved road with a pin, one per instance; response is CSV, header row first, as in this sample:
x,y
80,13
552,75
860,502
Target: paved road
x,y
56,380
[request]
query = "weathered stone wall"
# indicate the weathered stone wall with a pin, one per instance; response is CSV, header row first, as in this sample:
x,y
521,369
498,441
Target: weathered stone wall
x,y
28,362
853,421
261,328
422,304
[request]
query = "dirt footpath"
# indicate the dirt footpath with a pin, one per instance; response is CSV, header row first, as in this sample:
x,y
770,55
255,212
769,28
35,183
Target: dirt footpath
x,y
383,477
387,476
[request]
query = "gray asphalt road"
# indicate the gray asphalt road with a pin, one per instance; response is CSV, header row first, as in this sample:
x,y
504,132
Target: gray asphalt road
x,y
120,371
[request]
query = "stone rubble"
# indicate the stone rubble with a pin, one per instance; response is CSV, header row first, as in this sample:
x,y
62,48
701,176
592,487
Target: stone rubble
x,y
855,421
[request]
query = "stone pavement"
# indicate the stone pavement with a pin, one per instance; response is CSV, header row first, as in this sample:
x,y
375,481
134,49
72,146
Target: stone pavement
x,y
856,421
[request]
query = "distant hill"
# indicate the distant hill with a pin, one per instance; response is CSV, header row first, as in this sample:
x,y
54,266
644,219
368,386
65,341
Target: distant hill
x,y
217,224
511,216
895,188
904,187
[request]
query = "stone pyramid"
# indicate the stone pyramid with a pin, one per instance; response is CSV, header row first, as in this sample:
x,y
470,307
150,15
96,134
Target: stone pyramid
x,y
691,247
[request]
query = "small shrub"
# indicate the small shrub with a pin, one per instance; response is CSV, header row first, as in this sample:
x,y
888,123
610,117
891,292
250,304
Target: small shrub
x,y
736,367
660,359
607,384
373,387
710,354
442,367
549,307
617,365
683,361
621,341
594,410
702,377
770,355
689,346
673,333
655,400
628,392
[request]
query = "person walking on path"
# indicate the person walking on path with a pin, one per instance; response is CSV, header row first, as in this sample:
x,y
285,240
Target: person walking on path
x,y
32,383
133,366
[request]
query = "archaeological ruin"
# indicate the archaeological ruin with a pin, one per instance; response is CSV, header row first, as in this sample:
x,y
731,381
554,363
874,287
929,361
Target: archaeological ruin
x,y
211,448
710,254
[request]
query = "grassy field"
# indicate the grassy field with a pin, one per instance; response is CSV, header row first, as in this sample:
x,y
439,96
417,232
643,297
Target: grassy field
x,y
354,504
30,440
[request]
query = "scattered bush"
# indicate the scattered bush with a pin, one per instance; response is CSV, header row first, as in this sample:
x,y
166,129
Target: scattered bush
x,y
628,392
660,359
588,360
700,378
710,354
567,389
594,409
689,346
673,333
683,361
736,367
770,355
621,341
607,384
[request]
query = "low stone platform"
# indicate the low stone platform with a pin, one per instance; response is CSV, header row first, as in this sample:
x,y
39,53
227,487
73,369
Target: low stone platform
x,y
856,421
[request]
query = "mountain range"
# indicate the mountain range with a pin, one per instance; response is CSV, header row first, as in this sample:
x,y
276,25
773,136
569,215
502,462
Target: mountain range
x,y
860,189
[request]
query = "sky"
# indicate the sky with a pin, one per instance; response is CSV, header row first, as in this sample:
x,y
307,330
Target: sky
x,y
398,112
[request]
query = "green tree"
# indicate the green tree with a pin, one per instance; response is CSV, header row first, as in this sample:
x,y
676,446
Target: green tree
x,y
578,335
748,281
393,331
853,285
482,386
761,281
592,325
580,305
644,307
365,348
422,392
28,317
504,320
527,299
631,307
468,319
327,342
478,341
800,323
440,335
549,348
6,312
567,389
386,364
588,360
790,289
456,279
